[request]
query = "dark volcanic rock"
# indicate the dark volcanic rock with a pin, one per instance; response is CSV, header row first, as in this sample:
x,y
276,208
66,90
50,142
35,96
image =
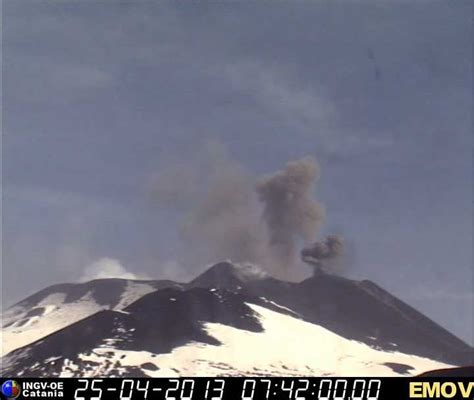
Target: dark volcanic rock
x,y
399,368
365,312
175,314
158,322
462,372
223,275
149,366
106,292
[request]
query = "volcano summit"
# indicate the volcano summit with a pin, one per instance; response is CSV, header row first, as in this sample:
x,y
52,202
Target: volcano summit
x,y
230,320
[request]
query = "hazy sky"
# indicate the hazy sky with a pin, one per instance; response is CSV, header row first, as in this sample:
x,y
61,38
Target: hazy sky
x,y
100,98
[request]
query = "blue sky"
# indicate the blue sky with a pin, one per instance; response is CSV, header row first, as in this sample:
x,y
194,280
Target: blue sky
x,y
100,98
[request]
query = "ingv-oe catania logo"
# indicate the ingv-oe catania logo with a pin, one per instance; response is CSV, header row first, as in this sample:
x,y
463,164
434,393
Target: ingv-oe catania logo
x,y
11,389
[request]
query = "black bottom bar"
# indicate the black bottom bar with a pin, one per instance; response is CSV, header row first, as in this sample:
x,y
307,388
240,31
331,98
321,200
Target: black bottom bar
x,y
239,388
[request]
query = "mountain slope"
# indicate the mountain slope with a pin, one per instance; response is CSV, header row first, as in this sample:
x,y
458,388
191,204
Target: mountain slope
x,y
349,309
58,306
220,322
204,332
358,310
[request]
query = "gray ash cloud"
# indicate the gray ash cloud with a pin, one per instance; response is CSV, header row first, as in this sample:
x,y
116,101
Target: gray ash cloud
x,y
324,255
290,212
239,217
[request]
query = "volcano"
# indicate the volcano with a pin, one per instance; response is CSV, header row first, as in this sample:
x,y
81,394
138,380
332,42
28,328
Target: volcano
x,y
232,320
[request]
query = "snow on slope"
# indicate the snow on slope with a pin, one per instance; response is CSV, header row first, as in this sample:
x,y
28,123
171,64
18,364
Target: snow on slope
x,y
133,291
21,326
52,314
287,346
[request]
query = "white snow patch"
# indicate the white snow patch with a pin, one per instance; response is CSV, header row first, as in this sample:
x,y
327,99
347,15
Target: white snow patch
x,y
133,291
288,346
278,305
59,316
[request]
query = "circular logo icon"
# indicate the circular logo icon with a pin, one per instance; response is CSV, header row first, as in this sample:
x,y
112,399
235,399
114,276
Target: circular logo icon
x,y
11,389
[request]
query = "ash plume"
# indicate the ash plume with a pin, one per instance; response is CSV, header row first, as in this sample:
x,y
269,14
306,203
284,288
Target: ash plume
x,y
290,212
233,215
217,212
324,255
224,224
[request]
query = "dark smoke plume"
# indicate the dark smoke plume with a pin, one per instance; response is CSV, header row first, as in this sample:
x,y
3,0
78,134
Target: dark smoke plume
x,y
225,213
290,212
324,255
